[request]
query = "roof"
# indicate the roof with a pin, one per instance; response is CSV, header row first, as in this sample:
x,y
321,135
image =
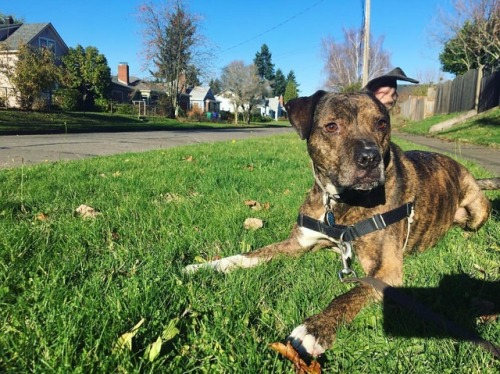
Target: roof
x,y
139,84
26,32
199,93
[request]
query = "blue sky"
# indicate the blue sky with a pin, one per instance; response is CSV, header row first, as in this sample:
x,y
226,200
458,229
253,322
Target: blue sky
x,y
236,29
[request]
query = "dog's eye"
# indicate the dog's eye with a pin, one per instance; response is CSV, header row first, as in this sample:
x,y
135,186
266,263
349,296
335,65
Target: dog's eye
x,y
332,127
381,125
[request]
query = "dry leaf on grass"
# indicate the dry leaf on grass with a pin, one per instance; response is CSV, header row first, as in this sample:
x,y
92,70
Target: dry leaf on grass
x,y
188,159
253,224
86,211
255,205
290,353
41,217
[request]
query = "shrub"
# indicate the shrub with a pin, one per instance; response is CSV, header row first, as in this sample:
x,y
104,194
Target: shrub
x,y
195,114
101,105
127,109
258,118
68,99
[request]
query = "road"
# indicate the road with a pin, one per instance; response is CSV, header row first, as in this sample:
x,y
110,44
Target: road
x,y
32,149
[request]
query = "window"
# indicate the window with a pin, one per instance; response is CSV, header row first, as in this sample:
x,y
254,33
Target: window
x,y
47,43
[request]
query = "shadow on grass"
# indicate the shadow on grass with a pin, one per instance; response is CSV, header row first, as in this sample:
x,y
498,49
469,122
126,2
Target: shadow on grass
x,y
449,310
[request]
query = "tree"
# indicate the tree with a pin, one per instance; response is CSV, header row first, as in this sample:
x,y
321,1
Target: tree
x,y
192,76
263,62
6,19
173,44
279,84
87,70
291,91
290,78
34,73
344,60
244,87
470,36
215,85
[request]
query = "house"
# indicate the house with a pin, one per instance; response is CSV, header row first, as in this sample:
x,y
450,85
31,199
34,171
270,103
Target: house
x,y
126,88
12,37
225,98
200,97
272,107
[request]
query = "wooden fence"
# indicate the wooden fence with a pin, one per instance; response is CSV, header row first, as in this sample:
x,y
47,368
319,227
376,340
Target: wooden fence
x,y
458,95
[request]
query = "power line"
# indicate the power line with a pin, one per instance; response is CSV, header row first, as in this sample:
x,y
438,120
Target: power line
x,y
274,27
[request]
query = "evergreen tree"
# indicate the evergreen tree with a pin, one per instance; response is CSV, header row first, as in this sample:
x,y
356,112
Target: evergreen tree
x,y
291,91
215,85
263,62
290,78
279,84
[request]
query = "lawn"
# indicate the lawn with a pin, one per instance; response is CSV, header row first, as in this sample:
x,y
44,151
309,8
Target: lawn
x,y
483,129
71,287
16,122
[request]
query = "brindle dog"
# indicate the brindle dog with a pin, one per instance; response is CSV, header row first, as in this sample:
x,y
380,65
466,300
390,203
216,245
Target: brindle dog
x,y
360,174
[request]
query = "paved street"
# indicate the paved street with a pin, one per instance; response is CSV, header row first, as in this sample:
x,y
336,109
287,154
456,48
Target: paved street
x,y
31,149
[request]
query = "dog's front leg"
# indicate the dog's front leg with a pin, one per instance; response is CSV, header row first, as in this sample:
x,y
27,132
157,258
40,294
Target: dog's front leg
x,y
291,247
317,333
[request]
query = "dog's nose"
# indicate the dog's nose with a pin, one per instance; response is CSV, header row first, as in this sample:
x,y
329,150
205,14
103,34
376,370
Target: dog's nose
x,y
368,158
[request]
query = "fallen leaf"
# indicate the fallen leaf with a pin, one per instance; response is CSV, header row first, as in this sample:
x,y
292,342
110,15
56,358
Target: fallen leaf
x,y
188,159
290,353
153,350
249,167
42,217
171,330
170,197
254,205
125,340
86,211
116,174
253,224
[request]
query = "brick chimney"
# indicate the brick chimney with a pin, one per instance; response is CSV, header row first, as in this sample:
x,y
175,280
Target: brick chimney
x,y
123,73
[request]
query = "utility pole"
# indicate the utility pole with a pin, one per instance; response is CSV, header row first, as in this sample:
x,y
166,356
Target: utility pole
x,y
366,44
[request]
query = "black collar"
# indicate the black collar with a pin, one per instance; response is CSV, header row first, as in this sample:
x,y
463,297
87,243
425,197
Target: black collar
x,y
353,232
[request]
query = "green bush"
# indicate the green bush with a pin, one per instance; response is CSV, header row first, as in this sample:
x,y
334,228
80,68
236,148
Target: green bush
x,y
258,118
101,105
68,99
125,109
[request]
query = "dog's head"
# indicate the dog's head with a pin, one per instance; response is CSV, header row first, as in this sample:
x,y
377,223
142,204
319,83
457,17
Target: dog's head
x,y
348,135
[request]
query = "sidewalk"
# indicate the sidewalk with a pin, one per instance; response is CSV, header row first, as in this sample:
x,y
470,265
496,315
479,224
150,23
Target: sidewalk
x,y
487,157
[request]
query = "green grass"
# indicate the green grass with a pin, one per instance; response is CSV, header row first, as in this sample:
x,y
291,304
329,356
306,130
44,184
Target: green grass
x,y
422,127
16,122
483,129
70,287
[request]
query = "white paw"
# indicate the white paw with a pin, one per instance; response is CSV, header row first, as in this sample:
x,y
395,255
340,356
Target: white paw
x,y
226,264
305,343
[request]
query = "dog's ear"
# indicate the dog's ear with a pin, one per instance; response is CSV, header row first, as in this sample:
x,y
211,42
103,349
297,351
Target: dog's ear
x,y
385,87
301,111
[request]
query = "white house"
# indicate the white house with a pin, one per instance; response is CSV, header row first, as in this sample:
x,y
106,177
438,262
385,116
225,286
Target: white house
x,y
272,107
226,103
